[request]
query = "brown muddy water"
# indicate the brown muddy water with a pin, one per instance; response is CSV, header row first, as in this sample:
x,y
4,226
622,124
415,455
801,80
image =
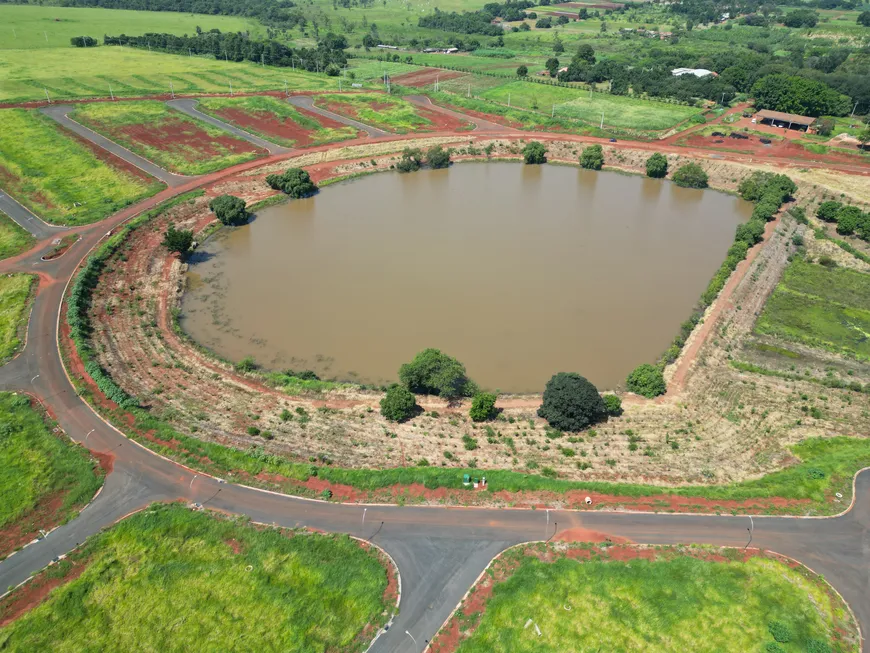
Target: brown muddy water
x,y
518,271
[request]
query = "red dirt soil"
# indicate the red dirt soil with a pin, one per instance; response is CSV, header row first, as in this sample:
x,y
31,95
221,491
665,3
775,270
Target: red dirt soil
x,y
441,121
425,76
35,592
184,139
110,159
269,124
45,516
781,149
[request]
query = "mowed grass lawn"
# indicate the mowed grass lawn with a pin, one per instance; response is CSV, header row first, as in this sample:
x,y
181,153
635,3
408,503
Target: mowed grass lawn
x,y
169,138
88,72
13,238
274,119
384,111
53,27
170,579
621,112
671,603
14,307
43,478
59,178
821,307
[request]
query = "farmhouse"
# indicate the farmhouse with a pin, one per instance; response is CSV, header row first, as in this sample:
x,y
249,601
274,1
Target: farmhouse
x,y
787,120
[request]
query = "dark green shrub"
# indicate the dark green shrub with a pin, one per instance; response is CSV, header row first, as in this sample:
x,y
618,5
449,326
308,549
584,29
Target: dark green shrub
x,y
827,211
437,157
773,647
571,402
818,646
780,631
613,405
178,240
690,175
296,182
247,364
750,232
522,71
433,372
229,209
399,404
411,161
534,153
469,442
848,218
253,430
657,166
592,157
646,380
483,407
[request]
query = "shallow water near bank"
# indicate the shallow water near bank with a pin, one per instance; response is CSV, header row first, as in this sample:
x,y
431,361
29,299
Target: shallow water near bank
x,y
518,271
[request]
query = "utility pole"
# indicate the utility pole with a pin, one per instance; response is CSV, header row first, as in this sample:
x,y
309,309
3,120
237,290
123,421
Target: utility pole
x,y
722,101
111,93
45,34
172,90
553,112
469,90
46,94
231,88
855,108
509,99
286,92
262,60
189,53
602,120
339,84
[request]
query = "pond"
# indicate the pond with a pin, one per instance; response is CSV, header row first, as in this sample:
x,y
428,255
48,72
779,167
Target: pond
x,y
517,271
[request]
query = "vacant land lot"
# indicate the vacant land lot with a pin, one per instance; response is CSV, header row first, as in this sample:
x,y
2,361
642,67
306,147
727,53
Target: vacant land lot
x,y
53,27
383,111
13,239
169,138
89,72
821,307
173,579
625,113
14,306
43,478
277,121
628,598
61,178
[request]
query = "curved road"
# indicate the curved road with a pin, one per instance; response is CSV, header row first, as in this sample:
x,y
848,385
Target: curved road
x,y
439,551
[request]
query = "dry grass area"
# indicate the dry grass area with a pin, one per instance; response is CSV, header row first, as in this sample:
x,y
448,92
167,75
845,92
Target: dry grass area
x,y
721,425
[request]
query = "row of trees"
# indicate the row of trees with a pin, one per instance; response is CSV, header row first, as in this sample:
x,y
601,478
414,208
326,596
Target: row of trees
x,y
477,22
849,219
413,159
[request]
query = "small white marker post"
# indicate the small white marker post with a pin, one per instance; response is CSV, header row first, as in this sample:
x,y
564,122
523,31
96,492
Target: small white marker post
x,y
88,435
364,517
195,476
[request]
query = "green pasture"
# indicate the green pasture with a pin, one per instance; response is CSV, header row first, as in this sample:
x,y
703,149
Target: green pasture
x,y
113,119
620,112
394,114
68,73
14,308
59,178
29,27
264,106
821,307
37,465
671,603
372,70
170,579
13,238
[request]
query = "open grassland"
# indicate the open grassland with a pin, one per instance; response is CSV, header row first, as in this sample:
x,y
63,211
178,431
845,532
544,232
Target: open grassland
x,y
166,137
58,177
372,70
88,72
52,27
13,238
14,307
43,478
821,307
622,112
657,600
169,578
383,111
275,120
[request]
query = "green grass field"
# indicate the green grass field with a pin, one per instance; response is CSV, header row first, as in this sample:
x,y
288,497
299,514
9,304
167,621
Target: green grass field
x,y
88,72
170,579
166,137
621,112
821,307
59,178
38,27
36,468
387,112
675,602
266,108
13,238
14,309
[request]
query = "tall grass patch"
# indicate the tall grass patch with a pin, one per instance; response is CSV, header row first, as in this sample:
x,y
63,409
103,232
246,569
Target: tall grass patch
x,y
14,304
382,111
59,178
13,238
169,578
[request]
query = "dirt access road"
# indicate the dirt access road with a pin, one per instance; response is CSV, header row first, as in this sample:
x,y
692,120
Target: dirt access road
x,y
439,551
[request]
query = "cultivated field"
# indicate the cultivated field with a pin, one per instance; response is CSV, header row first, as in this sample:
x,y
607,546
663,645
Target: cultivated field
x,y
387,112
44,478
52,27
166,137
13,239
68,73
14,310
61,178
661,599
169,578
277,121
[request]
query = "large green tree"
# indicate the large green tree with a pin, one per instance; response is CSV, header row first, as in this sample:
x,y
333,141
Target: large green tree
x,y
690,175
399,404
296,182
535,152
229,209
592,157
571,402
657,166
792,94
436,373
178,240
646,380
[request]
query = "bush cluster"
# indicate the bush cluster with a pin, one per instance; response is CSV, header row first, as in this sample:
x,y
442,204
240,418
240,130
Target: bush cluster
x,y
483,407
571,402
646,380
296,182
398,404
592,157
229,209
411,161
849,219
657,166
534,153
435,373
690,175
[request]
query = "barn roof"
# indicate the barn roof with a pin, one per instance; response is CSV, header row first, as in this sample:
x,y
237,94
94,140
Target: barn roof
x,y
765,114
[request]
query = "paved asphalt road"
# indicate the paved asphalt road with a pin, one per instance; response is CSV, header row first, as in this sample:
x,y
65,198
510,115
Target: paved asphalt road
x,y
439,551
29,221
189,107
307,103
481,124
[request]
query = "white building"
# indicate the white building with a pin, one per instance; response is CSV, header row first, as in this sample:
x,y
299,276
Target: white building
x,y
697,72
